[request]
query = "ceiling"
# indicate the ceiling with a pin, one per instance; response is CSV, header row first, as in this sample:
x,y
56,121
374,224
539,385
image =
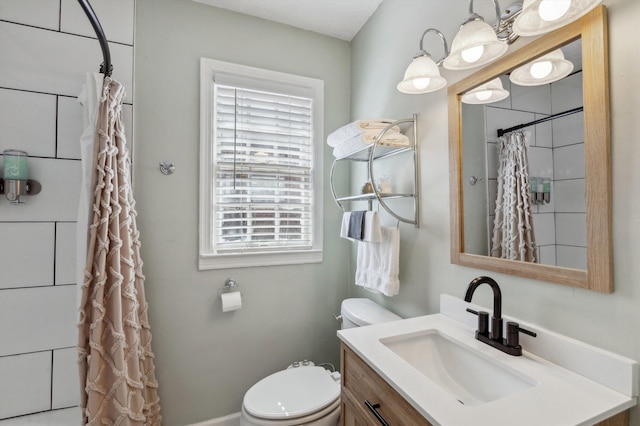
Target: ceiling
x,y
336,18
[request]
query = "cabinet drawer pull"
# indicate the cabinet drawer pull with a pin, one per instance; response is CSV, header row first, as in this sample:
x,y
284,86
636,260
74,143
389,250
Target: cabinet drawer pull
x,y
373,408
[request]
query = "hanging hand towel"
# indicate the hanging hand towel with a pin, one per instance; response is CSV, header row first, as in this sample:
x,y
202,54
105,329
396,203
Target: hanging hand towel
x,y
377,265
356,225
372,231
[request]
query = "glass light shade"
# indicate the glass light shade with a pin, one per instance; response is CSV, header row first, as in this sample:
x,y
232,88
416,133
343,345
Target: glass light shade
x,y
555,62
542,16
475,40
553,10
491,91
421,76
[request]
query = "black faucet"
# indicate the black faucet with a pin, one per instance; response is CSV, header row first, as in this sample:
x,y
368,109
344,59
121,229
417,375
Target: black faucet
x,y
494,338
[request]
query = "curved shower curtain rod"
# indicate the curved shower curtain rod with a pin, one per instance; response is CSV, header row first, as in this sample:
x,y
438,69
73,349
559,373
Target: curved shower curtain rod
x,y
106,68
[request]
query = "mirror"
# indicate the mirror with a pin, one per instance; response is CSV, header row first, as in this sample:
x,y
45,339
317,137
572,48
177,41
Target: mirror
x,y
473,159
555,164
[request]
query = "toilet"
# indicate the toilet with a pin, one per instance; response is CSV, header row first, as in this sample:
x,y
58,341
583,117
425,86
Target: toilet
x,y
307,394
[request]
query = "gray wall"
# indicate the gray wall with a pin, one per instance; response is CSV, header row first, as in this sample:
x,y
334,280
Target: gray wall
x,y
206,359
608,321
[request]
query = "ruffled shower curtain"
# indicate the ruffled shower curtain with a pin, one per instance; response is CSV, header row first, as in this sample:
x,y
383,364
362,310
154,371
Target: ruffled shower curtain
x,y
118,385
513,236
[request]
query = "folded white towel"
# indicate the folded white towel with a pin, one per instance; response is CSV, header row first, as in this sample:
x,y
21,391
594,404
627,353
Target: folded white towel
x,y
377,265
372,230
352,129
365,139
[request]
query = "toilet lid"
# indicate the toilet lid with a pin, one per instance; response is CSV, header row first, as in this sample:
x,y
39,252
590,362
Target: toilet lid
x,y
291,393
362,311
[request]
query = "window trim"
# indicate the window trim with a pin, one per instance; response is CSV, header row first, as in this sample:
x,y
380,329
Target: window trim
x,y
207,258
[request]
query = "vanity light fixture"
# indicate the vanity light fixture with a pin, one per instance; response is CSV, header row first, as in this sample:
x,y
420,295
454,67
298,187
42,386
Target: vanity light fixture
x,y
544,70
477,42
542,16
422,75
491,91
15,175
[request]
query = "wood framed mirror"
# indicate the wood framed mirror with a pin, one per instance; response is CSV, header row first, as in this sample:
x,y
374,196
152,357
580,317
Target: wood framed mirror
x,y
596,272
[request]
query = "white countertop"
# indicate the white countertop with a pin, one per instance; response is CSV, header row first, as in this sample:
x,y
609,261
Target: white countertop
x,y
560,396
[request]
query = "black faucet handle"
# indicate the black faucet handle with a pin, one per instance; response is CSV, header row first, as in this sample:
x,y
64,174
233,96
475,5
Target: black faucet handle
x,y
483,321
513,333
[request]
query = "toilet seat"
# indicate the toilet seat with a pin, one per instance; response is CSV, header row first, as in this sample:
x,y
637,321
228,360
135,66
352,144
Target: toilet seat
x,y
292,393
328,416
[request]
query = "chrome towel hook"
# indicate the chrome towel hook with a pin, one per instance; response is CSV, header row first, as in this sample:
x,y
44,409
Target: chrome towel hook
x,y
473,180
167,167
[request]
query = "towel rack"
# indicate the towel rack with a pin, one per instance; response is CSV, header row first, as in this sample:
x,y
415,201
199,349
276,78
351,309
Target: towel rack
x,y
374,152
106,68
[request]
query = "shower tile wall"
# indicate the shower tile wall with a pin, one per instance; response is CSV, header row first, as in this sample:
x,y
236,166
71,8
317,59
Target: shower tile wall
x,y
556,152
47,47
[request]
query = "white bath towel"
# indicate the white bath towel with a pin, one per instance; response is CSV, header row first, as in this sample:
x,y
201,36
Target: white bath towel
x,y
355,128
377,265
365,139
372,229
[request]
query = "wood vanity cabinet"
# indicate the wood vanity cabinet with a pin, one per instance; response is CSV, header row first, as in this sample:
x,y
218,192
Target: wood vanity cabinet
x,y
360,383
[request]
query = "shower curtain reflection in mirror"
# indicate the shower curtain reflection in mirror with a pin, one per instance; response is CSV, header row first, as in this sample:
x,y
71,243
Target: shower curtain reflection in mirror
x,y
513,236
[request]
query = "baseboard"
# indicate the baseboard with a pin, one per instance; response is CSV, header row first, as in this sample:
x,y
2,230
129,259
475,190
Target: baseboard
x,y
230,420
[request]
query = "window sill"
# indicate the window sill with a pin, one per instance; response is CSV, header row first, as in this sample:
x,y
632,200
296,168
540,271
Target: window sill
x,y
230,261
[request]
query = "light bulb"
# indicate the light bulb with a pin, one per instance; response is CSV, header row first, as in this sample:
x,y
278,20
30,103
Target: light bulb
x,y
541,69
552,10
421,83
472,54
483,95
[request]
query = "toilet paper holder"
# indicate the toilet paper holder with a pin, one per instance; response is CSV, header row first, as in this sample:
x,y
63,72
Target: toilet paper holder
x,y
230,297
229,285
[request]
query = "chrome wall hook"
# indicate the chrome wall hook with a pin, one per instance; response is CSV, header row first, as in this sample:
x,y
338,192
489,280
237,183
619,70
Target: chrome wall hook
x,y
167,167
473,180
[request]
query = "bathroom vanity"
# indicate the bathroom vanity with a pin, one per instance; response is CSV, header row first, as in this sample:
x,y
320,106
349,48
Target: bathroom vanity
x,y
431,370
360,384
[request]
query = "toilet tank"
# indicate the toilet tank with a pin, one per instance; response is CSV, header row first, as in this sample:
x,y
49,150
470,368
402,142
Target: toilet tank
x,y
358,312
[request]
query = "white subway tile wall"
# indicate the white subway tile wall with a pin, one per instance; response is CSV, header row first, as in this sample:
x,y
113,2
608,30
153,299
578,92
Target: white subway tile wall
x,y
116,17
53,62
23,111
65,253
39,13
531,98
23,263
47,48
26,385
64,392
544,133
38,319
566,94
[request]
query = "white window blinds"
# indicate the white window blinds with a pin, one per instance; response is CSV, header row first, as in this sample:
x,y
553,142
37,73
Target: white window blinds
x,y
263,160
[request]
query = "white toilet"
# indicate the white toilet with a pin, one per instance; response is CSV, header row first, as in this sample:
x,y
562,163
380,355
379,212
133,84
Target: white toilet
x,y
307,395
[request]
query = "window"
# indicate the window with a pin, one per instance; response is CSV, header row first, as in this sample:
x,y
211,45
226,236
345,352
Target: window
x,y
260,167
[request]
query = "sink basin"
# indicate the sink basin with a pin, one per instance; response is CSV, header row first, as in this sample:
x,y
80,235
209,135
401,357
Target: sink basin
x,y
468,375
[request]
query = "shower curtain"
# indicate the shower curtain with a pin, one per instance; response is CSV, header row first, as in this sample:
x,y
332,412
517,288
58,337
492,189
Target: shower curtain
x,y
118,385
513,236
